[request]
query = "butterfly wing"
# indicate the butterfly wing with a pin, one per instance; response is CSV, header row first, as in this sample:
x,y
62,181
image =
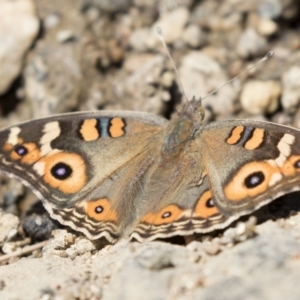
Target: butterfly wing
x,y
104,173
64,159
232,168
250,163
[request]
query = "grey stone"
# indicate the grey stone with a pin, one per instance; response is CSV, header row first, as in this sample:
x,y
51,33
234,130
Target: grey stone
x,y
200,74
53,72
291,89
251,44
270,9
172,24
194,36
19,26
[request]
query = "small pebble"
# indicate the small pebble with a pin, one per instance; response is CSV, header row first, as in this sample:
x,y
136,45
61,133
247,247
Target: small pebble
x,y
143,39
172,24
9,248
51,21
251,44
167,79
260,97
80,247
64,36
212,248
63,239
266,27
291,89
8,227
241,228
193,36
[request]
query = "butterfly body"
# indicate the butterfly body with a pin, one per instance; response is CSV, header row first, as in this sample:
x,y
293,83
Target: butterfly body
x,y
116,174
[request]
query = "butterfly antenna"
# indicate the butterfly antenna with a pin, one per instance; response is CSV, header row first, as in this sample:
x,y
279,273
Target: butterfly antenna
x,y
160,35
266,57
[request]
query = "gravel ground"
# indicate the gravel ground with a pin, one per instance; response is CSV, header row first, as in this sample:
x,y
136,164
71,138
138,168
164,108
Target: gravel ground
x,y
73,55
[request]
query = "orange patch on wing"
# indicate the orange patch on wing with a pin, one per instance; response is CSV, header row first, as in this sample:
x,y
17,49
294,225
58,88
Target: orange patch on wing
x,y
202,210
167,215
88,130
33,153
14,155
32,156
235,135
8,147
236,189
289,168
77,178
101,210
116,128
256,139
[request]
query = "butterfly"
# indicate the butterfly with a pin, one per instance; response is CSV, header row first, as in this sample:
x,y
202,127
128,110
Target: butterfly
x,y
117,174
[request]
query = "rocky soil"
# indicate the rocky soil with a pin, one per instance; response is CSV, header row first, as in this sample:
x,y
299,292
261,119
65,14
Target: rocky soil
x,y
73,55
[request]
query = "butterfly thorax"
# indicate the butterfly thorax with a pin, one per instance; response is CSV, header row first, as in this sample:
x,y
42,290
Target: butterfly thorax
x,y
183,127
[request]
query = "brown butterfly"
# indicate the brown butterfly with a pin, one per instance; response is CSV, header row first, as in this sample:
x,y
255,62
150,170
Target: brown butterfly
x,y
116,174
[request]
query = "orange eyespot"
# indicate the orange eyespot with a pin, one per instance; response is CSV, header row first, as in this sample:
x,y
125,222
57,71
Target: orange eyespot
x,y
205,206
101,210
251,180
168,214
64,171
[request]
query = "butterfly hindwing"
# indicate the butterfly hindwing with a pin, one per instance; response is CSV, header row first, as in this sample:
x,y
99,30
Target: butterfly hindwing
x,y
178,200
186,212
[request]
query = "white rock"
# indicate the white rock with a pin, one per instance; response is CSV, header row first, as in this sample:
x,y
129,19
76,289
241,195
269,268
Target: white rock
x,y
200,74
51,21
266,27
167,79
8,226
251,44
18,27
260,97
291,88
193,36
172,24
65,36
81,246
143,39
62,239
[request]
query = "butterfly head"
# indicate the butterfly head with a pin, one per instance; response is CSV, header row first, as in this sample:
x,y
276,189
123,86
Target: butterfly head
x,y
192,110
